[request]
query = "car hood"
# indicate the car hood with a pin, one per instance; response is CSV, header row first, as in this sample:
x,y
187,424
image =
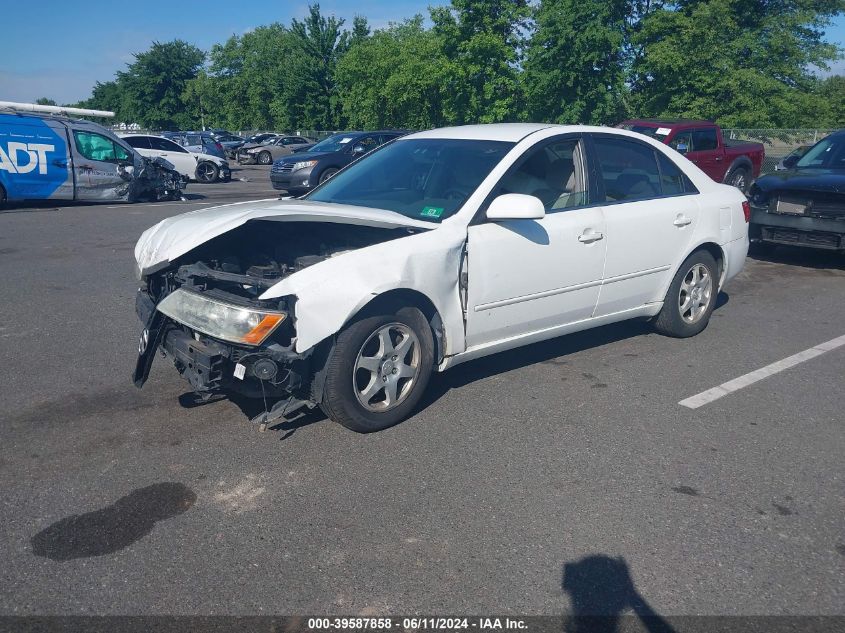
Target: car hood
x,y
173,237
821,180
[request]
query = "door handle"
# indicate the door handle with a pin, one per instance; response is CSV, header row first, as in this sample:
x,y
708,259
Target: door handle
x,y
589,236
682,220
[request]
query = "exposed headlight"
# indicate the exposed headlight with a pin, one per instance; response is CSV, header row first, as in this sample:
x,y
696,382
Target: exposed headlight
x,y
225,321
303,164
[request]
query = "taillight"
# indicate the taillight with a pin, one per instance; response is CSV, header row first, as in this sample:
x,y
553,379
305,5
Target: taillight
x,y
219,147
746,209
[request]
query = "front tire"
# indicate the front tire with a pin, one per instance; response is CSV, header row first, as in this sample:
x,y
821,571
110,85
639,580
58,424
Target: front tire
x,y
328,174
691,297
265,158
378,370
207,172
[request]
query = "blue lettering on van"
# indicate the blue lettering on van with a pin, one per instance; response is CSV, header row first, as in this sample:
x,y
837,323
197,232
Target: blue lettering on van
x,y
33,157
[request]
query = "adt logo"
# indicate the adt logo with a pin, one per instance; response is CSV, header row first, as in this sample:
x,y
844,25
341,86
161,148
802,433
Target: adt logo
x,y
33,154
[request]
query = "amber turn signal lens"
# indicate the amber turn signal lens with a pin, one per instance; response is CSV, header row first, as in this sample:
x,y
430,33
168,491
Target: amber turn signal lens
x,y
263,329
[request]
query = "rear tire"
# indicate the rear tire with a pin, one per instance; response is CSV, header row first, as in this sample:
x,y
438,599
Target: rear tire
x,y
378,370
207,172
691,297
739,178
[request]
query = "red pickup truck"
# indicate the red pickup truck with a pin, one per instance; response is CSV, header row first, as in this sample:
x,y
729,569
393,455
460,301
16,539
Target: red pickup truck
x,y
734,163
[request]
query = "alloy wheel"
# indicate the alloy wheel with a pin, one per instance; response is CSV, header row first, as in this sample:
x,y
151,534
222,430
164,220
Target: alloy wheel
x,y
387,367
695,294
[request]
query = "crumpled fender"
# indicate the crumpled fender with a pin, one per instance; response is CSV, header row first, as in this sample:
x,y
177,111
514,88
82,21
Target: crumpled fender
x,y
330,293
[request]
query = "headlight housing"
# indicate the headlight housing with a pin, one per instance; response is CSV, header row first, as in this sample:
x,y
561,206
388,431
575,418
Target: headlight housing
x,y
303,164
218,319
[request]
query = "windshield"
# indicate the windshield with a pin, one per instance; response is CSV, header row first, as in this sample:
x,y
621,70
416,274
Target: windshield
x,y
425,179
828,153
334,143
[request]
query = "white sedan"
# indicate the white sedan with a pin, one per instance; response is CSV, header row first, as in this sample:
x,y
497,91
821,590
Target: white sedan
x,y
193,166
437,248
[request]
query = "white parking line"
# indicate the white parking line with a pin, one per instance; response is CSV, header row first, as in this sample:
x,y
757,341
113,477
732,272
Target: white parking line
x,y
706,397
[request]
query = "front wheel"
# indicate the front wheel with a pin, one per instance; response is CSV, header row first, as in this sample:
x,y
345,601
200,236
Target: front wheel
x,y
327,174
207,172
264,158
691,297
378,370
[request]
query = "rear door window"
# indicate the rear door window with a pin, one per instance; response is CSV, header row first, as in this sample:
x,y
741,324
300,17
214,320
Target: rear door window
x,y
673,181
628,169
139,142
164,145
704,140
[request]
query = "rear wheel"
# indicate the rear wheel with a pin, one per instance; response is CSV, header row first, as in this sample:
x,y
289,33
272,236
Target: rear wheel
x,y
378,370
265,158
691,297
331,171
739,178
207,172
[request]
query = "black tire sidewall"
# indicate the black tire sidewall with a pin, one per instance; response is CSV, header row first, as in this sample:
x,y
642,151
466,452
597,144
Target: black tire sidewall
x,y
733,174
264,158
331,171
669,320
339,400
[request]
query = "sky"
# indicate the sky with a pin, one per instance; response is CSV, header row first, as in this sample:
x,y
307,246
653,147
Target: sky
x,y
60,49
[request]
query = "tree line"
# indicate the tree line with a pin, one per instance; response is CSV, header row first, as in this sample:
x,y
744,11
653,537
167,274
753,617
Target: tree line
x,y
743,63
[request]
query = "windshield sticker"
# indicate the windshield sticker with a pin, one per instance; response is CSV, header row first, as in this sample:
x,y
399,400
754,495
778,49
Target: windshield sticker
x,y
663,131
345,139
431,212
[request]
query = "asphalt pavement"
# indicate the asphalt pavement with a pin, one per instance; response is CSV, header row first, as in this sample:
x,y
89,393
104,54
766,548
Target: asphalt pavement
x,y
531,482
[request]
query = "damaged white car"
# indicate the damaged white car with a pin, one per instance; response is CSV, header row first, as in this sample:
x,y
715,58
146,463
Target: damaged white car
x,y
440,247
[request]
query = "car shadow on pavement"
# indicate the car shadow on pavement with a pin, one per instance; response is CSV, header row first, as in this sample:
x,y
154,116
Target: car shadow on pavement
x,y
601,591
543,352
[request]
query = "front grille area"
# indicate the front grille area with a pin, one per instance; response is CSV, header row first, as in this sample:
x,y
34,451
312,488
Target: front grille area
x,y
819,205
282,168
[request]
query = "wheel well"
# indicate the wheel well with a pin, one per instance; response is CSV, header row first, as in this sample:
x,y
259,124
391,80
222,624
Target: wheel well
x,y
389,301
740,162
718,254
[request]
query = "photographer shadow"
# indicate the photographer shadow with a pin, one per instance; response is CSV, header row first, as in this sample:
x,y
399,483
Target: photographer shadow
x,y
601,591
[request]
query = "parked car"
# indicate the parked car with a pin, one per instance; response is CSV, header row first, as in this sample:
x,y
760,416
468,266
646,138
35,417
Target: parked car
x,y
441,247
45,156
231,143
305,170
191,165
199,143
804,205
257,139
788,161
734,163
271,149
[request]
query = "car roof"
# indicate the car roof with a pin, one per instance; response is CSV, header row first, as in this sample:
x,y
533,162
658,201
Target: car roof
x,y
512,132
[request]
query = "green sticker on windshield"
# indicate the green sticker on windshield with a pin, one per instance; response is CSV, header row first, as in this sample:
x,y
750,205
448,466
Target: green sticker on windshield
x,y
431,212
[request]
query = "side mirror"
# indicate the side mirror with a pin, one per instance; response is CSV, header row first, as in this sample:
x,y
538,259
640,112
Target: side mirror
x,y
516,206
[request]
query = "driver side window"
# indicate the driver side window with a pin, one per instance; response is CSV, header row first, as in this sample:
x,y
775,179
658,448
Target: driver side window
x,y
554,173
98,147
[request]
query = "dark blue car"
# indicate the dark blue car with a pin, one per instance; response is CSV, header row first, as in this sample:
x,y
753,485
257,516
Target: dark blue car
x,y
301,172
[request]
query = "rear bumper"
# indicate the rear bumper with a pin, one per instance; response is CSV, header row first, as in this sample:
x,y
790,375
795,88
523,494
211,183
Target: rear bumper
x,y
778,228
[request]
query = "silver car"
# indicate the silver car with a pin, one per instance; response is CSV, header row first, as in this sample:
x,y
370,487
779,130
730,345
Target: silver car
x,y
270,150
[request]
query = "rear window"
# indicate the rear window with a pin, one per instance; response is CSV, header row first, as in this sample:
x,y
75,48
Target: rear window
x,y
139,142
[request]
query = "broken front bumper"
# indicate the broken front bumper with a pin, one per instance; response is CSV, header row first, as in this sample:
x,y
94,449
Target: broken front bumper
x,y
210,365
781,228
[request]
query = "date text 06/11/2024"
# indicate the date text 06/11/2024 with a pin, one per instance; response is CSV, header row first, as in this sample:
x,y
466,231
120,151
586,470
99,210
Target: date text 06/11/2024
x,y
416,623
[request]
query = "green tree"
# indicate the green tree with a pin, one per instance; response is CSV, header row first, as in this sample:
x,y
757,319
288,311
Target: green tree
x,y
395,78
152,86
482,40
308,98
45,101
745,63
574,62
